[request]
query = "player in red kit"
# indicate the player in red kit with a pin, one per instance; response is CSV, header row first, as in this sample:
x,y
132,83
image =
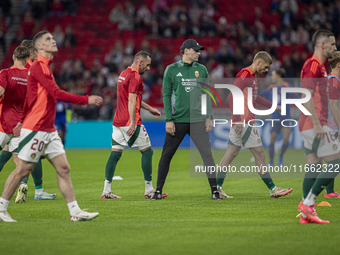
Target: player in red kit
x,y
245,134
40,193
319,141
38,136
13,87
128,129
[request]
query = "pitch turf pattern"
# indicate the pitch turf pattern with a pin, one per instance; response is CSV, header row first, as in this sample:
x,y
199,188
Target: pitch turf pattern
x,y
186,222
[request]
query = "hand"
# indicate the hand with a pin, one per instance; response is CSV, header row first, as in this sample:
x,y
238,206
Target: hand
x,y
238,128
131,129
155,112
319,132
17,129
95,100
209,125
278,108
170,128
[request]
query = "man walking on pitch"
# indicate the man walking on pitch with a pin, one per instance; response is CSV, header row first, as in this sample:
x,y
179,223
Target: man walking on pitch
x,y
319,141
279,83
38,135
334,119
245,134
13,93
128,129
40,193
182,105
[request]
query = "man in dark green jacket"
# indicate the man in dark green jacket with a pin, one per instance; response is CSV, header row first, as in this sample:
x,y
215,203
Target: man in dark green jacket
x,y
183,85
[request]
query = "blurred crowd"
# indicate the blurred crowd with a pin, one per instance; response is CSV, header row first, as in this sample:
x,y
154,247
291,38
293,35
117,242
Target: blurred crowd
x,y
237,40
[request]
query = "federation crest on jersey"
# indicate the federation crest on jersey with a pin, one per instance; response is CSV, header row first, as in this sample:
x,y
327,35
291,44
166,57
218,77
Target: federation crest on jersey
x,y
33,155
335,147
197,74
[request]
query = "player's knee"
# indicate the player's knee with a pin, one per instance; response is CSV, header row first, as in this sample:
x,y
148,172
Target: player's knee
x,y
64,169
260,155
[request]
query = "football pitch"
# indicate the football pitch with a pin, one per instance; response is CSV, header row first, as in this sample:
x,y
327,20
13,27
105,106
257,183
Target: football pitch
x,y
188,221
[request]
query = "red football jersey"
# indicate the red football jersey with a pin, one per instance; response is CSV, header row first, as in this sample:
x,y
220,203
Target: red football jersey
x,y
42,95
244,79
314,76
129,81
14,81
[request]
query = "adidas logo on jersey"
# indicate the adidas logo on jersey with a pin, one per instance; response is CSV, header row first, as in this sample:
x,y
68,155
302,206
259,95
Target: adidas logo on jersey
x,y
179,74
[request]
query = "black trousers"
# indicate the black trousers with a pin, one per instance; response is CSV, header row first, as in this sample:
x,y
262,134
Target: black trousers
x,y
202,141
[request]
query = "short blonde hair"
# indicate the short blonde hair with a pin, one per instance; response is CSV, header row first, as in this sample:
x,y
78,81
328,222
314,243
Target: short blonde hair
x,y
334,60
264,56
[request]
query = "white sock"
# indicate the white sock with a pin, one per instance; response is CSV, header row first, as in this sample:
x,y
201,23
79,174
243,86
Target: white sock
x,y
107,186
73,207
310,199
148,186
3,204
39,191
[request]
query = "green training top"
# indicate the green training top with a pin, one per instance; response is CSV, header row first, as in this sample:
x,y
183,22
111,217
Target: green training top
x,y
182,90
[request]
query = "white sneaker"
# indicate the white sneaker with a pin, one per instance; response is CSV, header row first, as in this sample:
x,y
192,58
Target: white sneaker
x,y
44,196
5,217
83,215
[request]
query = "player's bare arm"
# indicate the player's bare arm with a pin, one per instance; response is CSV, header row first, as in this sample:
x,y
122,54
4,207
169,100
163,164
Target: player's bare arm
x,y
132,113
152,110
319,132
335,111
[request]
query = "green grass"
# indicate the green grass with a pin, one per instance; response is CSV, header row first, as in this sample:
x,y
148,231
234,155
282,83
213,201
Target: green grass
x,y
186,222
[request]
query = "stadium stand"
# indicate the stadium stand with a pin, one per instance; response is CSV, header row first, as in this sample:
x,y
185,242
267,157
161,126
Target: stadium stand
x,y
101,36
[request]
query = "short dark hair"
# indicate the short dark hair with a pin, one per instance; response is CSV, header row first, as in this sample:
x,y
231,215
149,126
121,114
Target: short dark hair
x,y
264,56
142,54
334,60
320,33
38,36
28,44
21,53
281,72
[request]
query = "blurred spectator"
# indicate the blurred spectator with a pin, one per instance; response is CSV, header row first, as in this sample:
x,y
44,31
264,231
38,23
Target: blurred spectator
x,y
144,15
27,27
117,13
38,8
274,6
56,8
70,38
130,48
58,35
114,57
274,34
289,4
287,15
106,110
302,36
157,57
288,36
3,30
5,6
